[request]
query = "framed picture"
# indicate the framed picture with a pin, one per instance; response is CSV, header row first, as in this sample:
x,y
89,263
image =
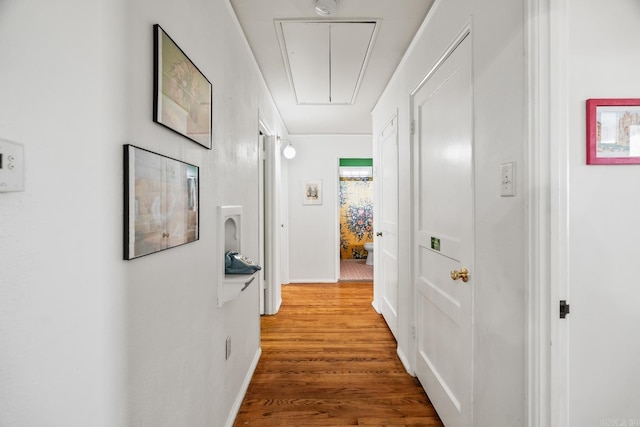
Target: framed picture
x,y
312,192
161,202
182,95
613,131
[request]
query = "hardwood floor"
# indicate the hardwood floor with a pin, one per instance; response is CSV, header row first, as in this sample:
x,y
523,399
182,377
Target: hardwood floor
x,y
329,360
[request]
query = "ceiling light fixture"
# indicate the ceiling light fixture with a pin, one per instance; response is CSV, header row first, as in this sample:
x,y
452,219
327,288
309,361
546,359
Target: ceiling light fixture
x,y
326,7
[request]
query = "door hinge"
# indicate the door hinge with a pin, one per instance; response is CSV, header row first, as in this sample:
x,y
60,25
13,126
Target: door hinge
x,y
564,309
413,127
413,332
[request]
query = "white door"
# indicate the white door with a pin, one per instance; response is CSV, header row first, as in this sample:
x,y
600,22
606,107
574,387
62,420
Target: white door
x,y
386,225
443,235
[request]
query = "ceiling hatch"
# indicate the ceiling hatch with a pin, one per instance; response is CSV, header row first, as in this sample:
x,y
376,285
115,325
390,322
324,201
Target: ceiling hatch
x,y
325,60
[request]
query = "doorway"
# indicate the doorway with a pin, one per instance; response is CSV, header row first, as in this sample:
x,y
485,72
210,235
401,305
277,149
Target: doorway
x,y
355,218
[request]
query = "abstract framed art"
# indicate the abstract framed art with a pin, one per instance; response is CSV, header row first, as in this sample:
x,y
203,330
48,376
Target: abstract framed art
x,y
182,95
613,131
161,202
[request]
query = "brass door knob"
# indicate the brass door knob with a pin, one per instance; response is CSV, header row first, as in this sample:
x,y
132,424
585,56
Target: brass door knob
x,y
463,274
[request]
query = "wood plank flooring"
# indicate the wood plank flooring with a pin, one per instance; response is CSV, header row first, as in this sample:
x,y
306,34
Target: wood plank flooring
x,y
328,359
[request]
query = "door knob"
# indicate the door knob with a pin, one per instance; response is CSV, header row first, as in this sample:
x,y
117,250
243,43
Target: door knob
x,y
463,274
379,233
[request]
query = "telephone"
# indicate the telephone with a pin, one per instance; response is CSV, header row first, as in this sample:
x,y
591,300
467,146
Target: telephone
x,y
235,263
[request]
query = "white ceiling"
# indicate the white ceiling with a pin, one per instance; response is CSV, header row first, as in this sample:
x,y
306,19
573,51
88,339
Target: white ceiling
x,y
326,78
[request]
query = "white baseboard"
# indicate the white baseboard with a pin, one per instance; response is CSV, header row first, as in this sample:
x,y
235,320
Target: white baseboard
x,y
374,304
243,390
405,362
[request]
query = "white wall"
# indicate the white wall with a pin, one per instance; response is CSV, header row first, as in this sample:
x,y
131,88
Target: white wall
x,y
86,338
62,286
313,229
604,201
498,80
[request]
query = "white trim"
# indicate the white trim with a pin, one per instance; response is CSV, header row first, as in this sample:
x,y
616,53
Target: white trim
x,y
547,216
405,362
559,210
537,165
263,132
243,390
374,304
262,124
466,30
336,223
273,258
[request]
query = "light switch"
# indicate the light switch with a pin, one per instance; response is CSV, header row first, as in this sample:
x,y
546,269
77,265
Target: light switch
x,y
11,166
508,179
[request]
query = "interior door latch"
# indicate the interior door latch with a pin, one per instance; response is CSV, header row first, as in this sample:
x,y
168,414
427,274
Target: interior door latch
x,y
564,309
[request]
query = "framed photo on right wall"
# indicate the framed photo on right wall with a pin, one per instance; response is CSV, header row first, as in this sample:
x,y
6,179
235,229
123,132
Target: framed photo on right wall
x,y
613,131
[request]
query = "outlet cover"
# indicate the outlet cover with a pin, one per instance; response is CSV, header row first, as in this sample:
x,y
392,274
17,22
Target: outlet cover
x,y
11,166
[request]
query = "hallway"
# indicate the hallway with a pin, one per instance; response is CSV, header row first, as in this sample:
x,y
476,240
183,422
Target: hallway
x,y
329,360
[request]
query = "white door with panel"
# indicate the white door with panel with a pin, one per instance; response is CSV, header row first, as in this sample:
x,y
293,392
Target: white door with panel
x,y
386,225
443,234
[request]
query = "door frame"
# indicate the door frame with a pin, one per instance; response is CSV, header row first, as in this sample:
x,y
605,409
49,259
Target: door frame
x,y
269,205
263,132
273,234
548,213
337,211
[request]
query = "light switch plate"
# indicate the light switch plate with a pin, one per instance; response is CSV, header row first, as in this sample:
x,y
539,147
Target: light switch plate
x,y
11,166
508,179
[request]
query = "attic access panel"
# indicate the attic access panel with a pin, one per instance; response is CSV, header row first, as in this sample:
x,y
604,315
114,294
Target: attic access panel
x,y
326,60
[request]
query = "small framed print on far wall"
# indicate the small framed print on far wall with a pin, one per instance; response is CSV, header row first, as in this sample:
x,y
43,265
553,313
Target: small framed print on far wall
x,y
613,131
312,192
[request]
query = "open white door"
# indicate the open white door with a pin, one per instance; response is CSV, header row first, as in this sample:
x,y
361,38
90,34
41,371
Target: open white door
x,y
386,225
444,234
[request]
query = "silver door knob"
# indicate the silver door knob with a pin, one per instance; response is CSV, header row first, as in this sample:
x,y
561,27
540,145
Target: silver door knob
x,y
379,233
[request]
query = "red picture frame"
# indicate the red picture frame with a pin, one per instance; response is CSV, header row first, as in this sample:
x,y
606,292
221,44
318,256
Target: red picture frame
x,y
613,131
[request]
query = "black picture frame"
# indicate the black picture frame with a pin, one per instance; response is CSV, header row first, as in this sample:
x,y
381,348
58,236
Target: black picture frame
x,y
161,202
182,95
